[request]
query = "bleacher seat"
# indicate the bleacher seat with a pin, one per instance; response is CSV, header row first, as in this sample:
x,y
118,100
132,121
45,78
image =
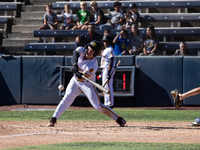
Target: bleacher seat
x,y
8,6
194,31
3,19
160,17
69,46
145,17
141,4
172,46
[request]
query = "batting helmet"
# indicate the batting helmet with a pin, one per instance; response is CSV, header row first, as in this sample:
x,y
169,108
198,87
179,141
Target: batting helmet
x,y
96,46
106,38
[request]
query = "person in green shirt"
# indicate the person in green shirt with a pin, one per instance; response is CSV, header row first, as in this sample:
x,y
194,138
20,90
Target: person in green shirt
x,y
83,17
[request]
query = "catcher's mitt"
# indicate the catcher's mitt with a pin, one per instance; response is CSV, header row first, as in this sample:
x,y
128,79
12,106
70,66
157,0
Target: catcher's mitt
x,y
175,96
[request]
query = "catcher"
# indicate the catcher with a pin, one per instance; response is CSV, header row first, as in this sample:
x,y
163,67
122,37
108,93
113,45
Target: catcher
x,y
178,97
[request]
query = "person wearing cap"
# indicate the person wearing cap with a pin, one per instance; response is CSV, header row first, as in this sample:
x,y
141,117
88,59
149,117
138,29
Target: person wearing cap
x,y
131,17
85,64
108,64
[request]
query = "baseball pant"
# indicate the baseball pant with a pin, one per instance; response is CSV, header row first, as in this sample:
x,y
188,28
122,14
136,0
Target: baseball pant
x,y
108,98
75,88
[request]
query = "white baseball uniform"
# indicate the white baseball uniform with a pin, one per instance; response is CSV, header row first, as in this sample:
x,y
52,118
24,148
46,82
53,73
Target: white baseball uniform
x,y
76,87
106,55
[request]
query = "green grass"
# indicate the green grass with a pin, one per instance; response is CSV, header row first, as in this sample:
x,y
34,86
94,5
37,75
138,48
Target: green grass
x,y
93,115
112,146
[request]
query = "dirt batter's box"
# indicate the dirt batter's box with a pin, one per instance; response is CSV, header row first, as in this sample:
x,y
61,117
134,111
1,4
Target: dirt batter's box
x,y
123,83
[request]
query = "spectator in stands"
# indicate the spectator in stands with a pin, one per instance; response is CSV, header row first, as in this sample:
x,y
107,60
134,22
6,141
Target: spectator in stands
x,y
83,17
107,32
135,40
183,51
86,38
67,19
50,20
98,17
131,17
121,43
150,42
116,17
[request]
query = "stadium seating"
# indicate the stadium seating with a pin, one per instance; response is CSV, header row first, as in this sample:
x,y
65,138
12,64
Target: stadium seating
x,y
3,19
9,6
161,17
161,32
69,46
156,14
125,4
194,31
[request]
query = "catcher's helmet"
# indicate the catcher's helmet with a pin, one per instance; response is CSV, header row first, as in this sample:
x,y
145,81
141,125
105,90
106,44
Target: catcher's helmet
x,y
96,46
106,38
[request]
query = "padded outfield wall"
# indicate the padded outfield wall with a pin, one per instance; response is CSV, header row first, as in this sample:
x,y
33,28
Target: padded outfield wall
x,y
34,80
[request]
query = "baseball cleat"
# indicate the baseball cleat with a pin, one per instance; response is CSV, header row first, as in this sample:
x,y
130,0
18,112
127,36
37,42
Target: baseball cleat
x,y
195,124
52,122
121,121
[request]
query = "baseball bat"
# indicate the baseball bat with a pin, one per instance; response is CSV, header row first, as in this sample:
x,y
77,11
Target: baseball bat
x,y
97,85
112,72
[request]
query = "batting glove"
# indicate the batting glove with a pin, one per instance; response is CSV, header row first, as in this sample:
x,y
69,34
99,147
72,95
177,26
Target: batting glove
x,y
79,75
108,76
74,69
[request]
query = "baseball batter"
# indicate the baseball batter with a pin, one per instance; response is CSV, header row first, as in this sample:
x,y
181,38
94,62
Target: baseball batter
x,y
84,63
108,63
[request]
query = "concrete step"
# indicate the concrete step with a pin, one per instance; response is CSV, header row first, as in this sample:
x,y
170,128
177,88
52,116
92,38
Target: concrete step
x,y
21,34
18,41
24,28
37,14
42,2
30,8
30,21
33,8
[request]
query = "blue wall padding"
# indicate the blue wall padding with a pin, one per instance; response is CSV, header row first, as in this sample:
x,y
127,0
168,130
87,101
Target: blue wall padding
x,y
10,80
68,60
191,78
126,60
40,79
156,76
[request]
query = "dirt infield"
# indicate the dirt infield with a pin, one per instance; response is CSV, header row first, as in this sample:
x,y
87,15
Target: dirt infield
x,y
15,134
